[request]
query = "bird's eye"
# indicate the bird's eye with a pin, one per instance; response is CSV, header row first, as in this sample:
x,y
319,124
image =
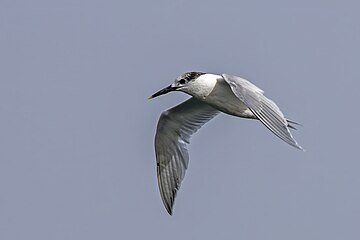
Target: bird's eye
x,y
182,81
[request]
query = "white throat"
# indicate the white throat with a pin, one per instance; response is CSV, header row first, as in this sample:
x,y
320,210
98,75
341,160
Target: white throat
x,y
202,86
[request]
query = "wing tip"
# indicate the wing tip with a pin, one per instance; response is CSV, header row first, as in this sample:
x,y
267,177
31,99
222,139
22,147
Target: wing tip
x,y
294,143
169,210
168,206
299,147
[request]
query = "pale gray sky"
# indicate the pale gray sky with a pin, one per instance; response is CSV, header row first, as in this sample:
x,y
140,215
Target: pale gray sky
x,y
76,128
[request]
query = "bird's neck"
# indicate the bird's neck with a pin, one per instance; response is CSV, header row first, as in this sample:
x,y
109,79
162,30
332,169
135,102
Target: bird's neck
x,y
203,85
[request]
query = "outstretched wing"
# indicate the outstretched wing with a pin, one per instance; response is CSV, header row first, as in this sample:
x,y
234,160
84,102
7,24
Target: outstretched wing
x,y
173,133
262,107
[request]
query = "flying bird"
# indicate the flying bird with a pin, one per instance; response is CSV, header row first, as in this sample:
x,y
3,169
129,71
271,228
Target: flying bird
x,y
211,94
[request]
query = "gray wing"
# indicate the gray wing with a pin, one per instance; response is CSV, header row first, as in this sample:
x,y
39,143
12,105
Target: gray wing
x,y
262,107
173,133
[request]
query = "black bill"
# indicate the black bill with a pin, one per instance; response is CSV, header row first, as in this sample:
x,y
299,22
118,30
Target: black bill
x,y
162,91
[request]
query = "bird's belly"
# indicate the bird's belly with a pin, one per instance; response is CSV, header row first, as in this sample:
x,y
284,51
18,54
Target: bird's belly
x,y
223,99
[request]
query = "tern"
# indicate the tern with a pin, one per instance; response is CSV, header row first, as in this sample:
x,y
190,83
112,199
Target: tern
x,y
211,94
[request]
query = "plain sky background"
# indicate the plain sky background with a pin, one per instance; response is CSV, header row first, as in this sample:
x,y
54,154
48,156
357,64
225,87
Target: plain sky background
x,y
76,128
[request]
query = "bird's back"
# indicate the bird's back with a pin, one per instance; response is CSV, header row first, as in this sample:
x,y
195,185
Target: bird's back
x,y
223,99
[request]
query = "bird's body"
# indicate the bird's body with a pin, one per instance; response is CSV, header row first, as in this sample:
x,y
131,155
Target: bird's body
x,y
223,99
211,94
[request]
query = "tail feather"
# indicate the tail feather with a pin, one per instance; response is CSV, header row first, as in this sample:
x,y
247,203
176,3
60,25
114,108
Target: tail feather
x,y
291,123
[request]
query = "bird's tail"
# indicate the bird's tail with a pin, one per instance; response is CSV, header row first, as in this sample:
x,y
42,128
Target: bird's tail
x,y
291,124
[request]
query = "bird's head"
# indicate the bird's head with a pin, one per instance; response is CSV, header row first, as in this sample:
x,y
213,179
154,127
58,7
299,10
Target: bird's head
x,y
186,82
